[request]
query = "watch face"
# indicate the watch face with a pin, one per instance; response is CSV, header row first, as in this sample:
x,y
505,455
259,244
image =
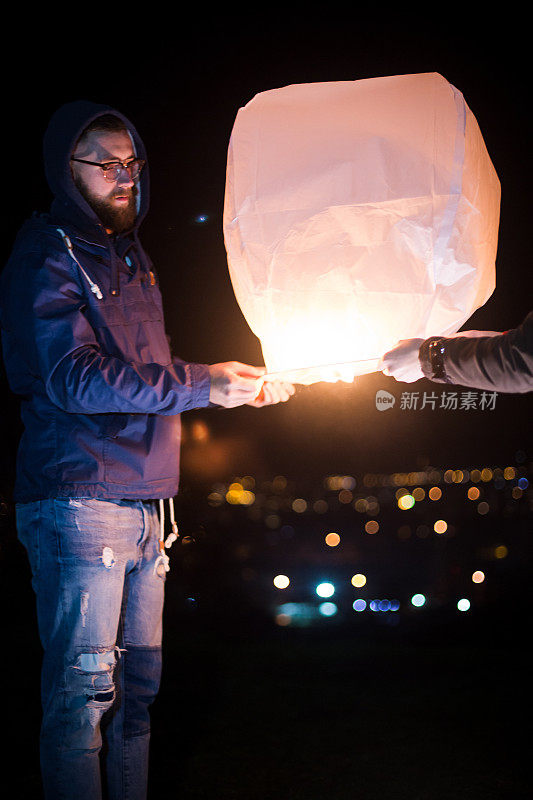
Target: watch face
x,y
436,357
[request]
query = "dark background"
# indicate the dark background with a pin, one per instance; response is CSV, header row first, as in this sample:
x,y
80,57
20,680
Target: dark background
x,y
427,708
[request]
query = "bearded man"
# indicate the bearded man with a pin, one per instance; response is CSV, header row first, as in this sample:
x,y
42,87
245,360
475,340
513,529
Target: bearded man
x,y
85,348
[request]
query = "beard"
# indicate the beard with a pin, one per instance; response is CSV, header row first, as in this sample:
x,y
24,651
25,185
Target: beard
x,y
116,218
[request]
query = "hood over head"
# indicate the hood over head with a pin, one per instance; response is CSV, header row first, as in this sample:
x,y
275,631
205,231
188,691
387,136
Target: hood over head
x,y
64,129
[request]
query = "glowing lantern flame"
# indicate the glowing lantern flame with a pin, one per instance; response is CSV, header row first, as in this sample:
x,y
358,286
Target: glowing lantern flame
x,y
357,213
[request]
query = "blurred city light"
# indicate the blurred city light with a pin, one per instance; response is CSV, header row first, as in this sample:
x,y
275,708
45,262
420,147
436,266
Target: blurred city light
x,y
298,614
263,518
279,484
406,501
404,532
418,600
328,609
299,505
199,431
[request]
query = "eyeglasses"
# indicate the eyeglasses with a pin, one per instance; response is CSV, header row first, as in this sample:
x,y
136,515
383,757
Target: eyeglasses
x,y
112,169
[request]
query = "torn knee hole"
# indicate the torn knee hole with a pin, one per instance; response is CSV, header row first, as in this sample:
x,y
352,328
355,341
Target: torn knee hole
x,y
96,662
102,697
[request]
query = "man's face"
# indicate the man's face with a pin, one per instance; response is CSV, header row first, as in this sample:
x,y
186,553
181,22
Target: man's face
x,y
114,203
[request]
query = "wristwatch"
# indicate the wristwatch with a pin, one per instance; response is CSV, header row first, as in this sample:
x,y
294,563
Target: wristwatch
x,y
431,356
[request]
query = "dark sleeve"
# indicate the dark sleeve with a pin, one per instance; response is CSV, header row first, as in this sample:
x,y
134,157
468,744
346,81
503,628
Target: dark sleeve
x,y
502,363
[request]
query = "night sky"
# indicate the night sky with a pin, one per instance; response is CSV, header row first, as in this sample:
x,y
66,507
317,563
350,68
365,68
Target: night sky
x,y
182,86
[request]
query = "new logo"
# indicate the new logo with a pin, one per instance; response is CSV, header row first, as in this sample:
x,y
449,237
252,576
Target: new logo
x,y
384,400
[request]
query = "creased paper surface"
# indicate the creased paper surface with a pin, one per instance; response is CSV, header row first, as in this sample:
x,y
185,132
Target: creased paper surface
x,y
356,214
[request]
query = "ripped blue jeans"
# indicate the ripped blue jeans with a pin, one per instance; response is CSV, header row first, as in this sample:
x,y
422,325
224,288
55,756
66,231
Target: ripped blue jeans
x,y
99,589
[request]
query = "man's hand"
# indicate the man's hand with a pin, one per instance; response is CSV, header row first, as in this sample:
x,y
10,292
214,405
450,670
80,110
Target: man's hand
x,y
234,384
273,392
402,361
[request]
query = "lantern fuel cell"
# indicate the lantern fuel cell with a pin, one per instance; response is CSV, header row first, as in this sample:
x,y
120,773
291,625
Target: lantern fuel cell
x,y
356,214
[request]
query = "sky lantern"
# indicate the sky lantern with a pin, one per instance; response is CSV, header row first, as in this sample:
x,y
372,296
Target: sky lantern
x,y
356,214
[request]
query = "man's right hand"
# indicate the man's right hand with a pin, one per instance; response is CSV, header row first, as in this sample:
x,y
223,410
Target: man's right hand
x,y
234,384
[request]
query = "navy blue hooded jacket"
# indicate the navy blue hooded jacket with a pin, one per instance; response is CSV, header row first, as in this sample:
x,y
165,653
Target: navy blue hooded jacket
x,y
85,347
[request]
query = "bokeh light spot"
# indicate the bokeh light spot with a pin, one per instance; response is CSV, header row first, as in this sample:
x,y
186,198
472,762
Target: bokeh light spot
x,y
501,551
299,505
418,600
325,589
406,501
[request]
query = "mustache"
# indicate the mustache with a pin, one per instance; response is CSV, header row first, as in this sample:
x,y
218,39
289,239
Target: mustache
x,y
129,193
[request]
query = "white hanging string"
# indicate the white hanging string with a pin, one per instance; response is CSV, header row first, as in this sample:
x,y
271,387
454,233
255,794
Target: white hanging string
x,y
162,559
95,289
174,534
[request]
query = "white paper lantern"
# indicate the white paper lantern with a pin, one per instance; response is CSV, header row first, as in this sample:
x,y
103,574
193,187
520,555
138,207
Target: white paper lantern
x,y
358,213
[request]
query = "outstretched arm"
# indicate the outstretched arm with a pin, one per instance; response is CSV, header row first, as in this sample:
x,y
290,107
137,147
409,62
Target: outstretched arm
x,y
491,361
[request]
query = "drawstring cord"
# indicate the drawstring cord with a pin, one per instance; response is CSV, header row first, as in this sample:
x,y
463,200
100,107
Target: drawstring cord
x,y
95,289
115,280
163,559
